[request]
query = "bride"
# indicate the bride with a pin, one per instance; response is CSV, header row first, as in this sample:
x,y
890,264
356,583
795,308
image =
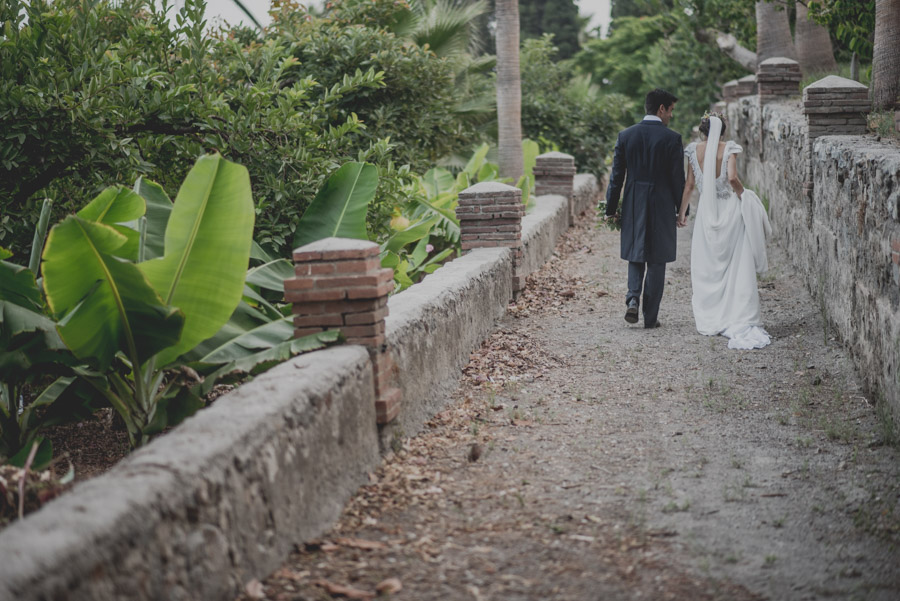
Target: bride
x,y
728,245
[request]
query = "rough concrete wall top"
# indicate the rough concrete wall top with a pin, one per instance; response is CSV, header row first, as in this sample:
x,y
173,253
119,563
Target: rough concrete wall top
x,y
541,228
586,193
434,326
217,501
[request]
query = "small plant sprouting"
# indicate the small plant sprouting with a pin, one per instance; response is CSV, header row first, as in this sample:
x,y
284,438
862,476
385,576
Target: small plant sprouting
x,y
770,561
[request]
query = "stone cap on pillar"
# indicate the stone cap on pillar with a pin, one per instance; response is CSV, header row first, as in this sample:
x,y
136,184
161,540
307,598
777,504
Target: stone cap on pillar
x,y
746,86
328,249
555,156
489,190
778,62
834,84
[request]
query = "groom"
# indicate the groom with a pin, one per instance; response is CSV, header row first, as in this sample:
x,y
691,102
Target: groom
x,y
652,156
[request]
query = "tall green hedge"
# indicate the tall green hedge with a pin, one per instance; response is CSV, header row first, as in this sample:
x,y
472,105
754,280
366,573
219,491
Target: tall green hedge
x,y
98,92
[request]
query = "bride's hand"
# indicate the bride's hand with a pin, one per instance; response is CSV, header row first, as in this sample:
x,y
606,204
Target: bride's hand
x,y
682,220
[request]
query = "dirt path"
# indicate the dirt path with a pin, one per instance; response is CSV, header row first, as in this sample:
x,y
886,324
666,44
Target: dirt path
x,y
587,459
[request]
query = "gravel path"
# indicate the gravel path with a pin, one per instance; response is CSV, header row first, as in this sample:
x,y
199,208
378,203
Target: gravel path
x,y
587,459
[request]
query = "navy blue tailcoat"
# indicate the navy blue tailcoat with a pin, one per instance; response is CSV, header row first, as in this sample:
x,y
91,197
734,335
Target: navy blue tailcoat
x,y
652,156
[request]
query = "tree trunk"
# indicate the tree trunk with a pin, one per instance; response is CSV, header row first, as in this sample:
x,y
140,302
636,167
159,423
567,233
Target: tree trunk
x,y
509,90
886,59
813,44
773,33
854,67
728,44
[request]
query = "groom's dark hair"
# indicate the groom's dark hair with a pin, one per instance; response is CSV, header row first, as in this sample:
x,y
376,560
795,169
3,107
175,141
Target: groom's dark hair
x,y
658,97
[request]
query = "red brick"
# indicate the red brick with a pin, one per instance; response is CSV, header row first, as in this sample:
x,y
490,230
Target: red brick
x,y
363,331
305,269
322,320
895,244
350,253
309,296
366,317
304,283
352,281
357,265
358,305
388,406
361,292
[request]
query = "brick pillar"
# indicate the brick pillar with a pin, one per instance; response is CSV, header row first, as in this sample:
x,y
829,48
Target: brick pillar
x,y
554,173
490,215
746,86
833,106
729,91
339,284
836,106
778,78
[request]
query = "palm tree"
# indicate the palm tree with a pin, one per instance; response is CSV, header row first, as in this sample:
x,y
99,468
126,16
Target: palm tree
x,y
509,90
773,33
448,27
886,59
813,44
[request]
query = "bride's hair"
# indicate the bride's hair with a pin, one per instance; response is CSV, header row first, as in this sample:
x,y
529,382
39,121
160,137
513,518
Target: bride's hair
x,y
704,124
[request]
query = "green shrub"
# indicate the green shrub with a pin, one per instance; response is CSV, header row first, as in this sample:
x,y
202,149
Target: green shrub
x,y
94,93
567,111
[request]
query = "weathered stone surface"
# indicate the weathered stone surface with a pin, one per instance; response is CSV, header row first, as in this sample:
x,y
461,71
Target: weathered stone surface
x,y
434,326
218,501
223,497
541,228
840,236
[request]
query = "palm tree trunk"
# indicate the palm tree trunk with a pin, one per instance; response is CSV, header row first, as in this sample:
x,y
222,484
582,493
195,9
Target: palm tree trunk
x,y
813,44
886,59
773,33
509,90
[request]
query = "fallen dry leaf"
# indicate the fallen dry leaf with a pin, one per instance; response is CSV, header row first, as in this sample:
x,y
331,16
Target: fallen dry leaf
x,y
389,586
338,590
358,543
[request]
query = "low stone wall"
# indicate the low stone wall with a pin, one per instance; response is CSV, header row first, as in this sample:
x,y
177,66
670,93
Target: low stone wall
x,y
222,498
216,502
433,326
833,203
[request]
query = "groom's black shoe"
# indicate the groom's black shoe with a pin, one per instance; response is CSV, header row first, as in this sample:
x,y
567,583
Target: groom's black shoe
x,y
655,325
631,313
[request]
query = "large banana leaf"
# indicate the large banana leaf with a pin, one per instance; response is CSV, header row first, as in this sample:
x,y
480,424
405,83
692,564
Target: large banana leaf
x,y
271,275
474,165
339,209
413,233
18,286
264,336
256,362
104,304
159,207
438,181
115,207
207,250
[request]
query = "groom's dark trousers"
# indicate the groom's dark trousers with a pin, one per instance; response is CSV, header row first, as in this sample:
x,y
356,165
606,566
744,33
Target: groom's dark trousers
x,y
652,286
652,156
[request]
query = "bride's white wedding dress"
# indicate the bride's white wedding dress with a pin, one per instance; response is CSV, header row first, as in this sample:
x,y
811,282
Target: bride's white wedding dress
x,y
727,250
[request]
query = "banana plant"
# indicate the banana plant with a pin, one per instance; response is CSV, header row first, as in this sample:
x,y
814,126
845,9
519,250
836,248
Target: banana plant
x,y
31,351
132,320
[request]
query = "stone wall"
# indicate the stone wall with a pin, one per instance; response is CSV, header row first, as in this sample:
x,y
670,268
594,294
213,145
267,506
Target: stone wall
x,y
833,203
223,498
